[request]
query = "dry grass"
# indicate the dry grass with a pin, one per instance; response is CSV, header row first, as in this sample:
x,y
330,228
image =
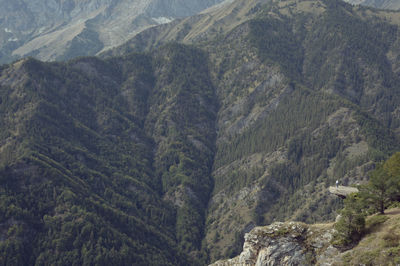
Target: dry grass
x,y
381,246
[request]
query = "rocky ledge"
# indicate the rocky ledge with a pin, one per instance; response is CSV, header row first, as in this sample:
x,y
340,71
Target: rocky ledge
x,y
343,191
290,243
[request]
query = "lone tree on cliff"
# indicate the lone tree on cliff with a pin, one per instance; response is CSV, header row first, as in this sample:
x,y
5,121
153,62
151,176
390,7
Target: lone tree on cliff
x,y
383,186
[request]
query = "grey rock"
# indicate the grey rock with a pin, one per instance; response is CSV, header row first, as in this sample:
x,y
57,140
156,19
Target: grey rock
x,y
342,191
291,243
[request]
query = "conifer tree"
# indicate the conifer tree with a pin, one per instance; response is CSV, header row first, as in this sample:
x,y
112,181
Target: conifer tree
x,y
392,168
351,223
383,185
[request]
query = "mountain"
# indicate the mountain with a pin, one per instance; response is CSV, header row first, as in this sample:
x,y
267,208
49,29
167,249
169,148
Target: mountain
x,y
99,157
171,147
300,106
383,4
61,29
201,28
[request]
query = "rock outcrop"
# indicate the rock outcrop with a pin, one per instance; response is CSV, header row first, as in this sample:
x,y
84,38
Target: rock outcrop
x,y
342,191
291,243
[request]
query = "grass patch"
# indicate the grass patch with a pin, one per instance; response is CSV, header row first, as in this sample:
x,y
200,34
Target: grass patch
x,y
373,221
380,244
391,239
347,258
368,257
395,254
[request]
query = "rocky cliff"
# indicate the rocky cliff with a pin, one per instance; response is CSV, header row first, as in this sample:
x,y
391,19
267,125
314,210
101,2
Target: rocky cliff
x,y
291,243
295,243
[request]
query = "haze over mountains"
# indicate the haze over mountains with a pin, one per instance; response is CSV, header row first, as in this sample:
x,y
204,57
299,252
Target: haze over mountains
x,y
63,29
383,4
168,148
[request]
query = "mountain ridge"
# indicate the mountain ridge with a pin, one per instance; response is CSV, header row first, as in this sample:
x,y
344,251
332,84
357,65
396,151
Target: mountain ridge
x,y
382,4
57,30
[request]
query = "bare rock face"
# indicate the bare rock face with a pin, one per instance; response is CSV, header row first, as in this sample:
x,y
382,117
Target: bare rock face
x,y
291,243
342,191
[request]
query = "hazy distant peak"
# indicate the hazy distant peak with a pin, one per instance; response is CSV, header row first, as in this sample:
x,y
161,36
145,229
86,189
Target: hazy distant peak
x,y
62,29
384,4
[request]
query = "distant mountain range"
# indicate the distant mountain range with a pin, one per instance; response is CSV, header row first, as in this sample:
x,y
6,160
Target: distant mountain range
x,y
62,29
383,4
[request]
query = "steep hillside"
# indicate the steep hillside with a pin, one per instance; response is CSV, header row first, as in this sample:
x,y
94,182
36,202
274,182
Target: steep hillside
x,y
177,152
200,28
100,164
57,30
298,111
302,100
73,183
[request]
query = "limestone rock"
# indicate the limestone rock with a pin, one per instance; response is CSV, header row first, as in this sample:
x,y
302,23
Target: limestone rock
x,y
342,191
291,243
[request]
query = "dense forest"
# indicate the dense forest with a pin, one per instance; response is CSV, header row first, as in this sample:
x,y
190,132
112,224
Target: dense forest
x,y
89,148
168,156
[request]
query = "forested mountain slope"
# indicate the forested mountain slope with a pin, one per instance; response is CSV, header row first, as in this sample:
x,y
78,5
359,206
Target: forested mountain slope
x,y
302,103
96,154
305,89
170,156
63,29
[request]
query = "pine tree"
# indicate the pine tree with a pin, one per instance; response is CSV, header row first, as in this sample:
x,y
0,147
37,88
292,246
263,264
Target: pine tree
x,y
392,168
381,188
351,223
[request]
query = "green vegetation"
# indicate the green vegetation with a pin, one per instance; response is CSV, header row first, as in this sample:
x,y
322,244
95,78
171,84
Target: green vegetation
x,y
79,182
383,187
381,190
277,43
380,244
375,220
351,224
312,101
182,125
169,157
